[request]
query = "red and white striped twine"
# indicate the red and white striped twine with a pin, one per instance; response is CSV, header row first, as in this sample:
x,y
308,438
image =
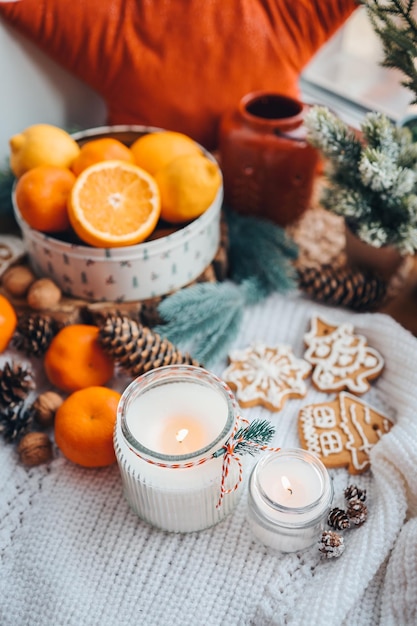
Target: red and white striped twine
x,y
230,455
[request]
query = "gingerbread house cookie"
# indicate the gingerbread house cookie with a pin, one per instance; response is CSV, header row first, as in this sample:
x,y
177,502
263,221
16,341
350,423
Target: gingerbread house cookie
x,y
342,432
342,360
266,376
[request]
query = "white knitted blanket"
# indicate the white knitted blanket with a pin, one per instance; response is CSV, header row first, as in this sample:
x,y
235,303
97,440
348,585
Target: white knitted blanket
x,y
73,554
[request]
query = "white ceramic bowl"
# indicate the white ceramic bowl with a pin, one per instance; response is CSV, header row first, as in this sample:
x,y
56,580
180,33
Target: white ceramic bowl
x,y
139,272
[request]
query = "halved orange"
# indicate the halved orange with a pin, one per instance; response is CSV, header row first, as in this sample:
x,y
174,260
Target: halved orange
x,y
114,203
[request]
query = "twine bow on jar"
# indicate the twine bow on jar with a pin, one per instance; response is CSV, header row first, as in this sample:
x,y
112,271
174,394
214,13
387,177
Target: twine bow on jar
x,y
246,440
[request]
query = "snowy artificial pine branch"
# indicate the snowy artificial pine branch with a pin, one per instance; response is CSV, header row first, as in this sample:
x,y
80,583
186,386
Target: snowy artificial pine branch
x,y
372,183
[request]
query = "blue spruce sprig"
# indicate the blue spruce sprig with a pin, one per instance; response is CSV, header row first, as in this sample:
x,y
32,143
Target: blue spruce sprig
x,y
209,315
260,249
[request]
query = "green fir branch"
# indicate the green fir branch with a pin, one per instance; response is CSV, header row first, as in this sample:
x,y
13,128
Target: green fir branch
x,y
250,438
394,23
258,432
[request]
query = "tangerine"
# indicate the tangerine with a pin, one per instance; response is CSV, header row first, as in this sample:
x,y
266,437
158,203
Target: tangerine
x,y
114,203
75,359
42,197
84,425
102,149
8,322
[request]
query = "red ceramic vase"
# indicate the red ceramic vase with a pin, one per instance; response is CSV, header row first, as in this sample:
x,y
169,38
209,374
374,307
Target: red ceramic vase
x,y
268,166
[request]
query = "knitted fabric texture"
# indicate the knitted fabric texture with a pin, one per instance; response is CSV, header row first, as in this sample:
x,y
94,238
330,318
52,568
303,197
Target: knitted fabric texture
x,y
73,553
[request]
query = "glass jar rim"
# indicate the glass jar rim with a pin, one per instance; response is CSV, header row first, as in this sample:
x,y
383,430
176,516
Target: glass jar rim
x,y
165,375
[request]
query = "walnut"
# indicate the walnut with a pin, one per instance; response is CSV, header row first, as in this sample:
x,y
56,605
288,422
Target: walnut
x,y
45,406
17,280
34,449
43,294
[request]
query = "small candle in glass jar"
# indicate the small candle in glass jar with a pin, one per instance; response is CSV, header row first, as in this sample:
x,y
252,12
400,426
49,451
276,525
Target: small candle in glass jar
x,y
290,494
170,422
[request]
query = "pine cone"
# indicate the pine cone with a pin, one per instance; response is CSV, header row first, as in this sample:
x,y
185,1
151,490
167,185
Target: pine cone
x,y
343,286
136,348
15,422
34,333
338,519
331,544
352,492
15,383
357,512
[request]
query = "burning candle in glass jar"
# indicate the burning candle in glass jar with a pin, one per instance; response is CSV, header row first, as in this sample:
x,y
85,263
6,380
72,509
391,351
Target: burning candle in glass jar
x,y
169,420
290,494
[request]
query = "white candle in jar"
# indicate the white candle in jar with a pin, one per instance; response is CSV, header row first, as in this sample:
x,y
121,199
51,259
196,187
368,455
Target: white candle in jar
x,y
290,494
171,417
177,417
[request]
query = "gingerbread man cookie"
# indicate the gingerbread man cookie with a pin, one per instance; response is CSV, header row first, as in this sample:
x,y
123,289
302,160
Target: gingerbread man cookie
x,y
342,432
341,359
266,376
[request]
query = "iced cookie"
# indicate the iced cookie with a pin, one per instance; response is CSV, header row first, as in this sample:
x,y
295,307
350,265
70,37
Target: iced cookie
x,y
341,359
266,376
342,432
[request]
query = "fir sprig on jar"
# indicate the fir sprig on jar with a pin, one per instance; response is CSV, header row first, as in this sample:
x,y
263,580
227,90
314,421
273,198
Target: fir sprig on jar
x,y
370,177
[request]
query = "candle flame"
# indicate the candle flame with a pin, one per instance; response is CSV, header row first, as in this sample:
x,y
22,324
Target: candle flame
x,y
181,434
286,484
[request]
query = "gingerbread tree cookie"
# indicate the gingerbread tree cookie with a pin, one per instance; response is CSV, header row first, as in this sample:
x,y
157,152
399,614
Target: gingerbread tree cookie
x,y
341,359
342,432
266,376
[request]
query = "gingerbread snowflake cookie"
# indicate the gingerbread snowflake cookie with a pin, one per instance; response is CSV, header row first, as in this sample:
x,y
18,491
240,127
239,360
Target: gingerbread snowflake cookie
x,y
342,432
266,376
342,360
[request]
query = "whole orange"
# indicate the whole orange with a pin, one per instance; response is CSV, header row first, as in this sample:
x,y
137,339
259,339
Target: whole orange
x,y
103,149
155,150
8,322
42,197
75,359
84,425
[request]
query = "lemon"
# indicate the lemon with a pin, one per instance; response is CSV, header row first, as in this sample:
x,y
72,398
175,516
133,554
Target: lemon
x,y
155,150
187,185
41,144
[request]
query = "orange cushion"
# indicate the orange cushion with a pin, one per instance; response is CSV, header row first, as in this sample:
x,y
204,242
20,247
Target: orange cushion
x,y
179,65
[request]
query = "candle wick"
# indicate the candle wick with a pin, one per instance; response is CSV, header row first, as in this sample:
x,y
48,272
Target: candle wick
x,y
290,490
